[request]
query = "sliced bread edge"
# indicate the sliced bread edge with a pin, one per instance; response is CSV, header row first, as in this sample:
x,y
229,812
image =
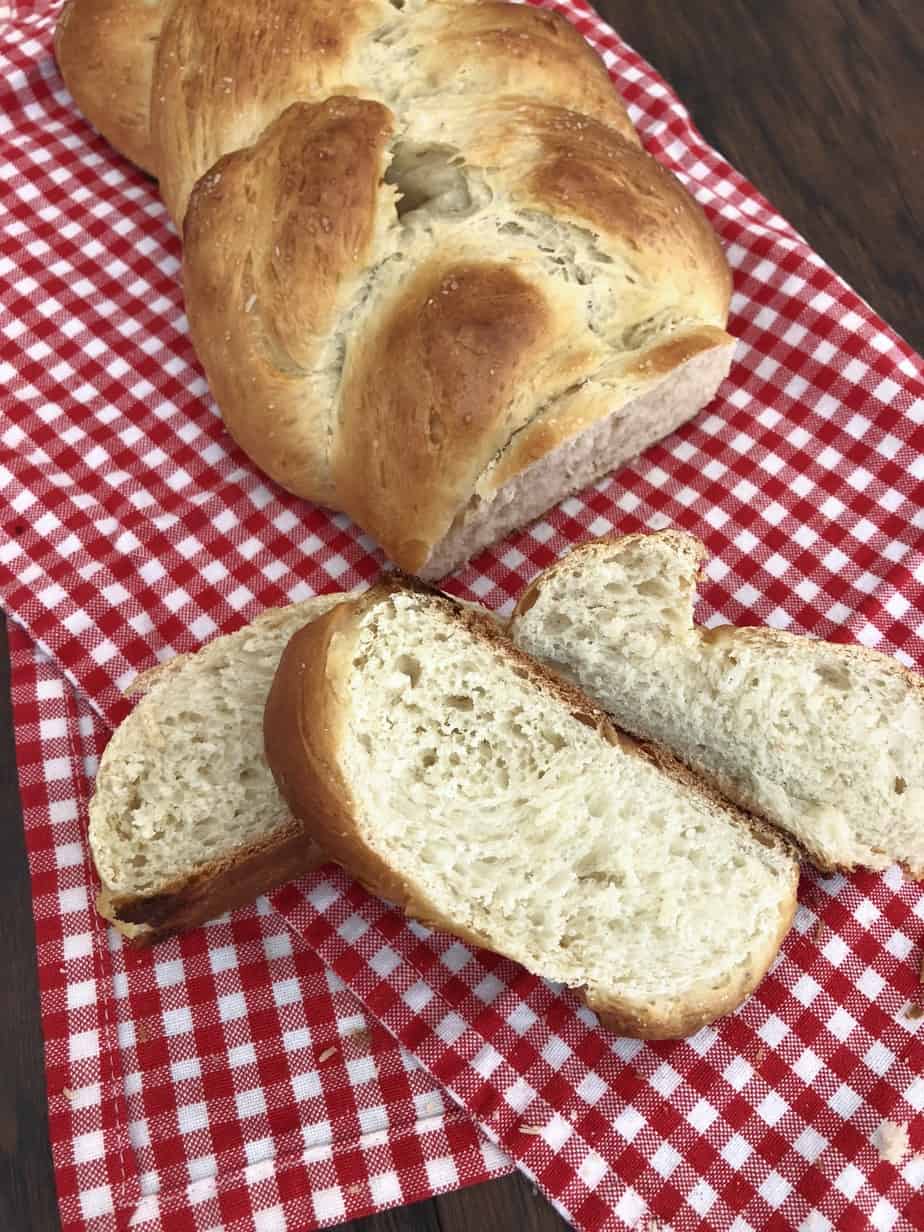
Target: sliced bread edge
x,y
240,875
304,721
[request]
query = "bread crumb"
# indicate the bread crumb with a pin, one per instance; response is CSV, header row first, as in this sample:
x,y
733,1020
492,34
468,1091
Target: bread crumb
x,y
327,1054
142,1033
361,1037
759,1057
913,1011
921,971
820,931
891,1141
354,1190
68,1094
532,1130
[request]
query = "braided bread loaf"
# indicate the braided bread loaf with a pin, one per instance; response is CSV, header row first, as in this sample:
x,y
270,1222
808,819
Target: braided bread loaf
x,y
433,278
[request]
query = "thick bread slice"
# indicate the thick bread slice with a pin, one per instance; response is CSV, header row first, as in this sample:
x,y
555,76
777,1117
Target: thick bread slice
x,y
186,822
822,740
461,779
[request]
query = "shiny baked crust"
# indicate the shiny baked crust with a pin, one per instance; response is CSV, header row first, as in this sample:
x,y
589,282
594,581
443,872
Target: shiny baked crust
x,y
424,250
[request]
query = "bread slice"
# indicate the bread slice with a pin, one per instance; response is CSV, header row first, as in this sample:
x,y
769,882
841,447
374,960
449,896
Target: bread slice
x,y
185,821
460,779
822,740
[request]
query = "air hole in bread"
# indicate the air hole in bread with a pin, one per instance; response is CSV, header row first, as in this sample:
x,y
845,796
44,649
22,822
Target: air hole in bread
x,y
432,179
457,702
900,786
408,665
835,675
655,588
611,880
557,622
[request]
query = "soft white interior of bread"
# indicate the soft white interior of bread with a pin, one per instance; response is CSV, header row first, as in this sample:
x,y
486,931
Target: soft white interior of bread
x,y
604,445
822,740
519,822
183,781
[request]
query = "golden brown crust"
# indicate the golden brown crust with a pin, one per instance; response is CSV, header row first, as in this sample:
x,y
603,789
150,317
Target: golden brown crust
x,y
105,51
663,358
275,237
305,715
214,889
492,49
226,70
458,341
488,365
578,169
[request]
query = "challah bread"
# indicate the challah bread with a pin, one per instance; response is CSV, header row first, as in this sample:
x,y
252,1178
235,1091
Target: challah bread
x,y
432,276
822,740
105,50
186,822
457,777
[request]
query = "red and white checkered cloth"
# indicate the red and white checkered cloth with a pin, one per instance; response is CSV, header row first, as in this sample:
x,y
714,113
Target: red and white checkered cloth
x,y
132,529
222,1080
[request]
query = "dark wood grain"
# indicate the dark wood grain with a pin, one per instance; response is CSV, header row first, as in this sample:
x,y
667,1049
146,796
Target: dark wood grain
x,y
27,1186
821,106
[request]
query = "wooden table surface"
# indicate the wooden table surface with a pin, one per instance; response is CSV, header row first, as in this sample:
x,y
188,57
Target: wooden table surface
x,y
821,105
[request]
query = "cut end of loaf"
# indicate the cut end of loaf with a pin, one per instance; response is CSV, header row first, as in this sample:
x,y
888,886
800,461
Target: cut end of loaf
x,y
550,465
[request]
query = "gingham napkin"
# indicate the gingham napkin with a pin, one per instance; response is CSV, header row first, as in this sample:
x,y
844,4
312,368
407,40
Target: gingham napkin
x,y
133,529
222,1081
